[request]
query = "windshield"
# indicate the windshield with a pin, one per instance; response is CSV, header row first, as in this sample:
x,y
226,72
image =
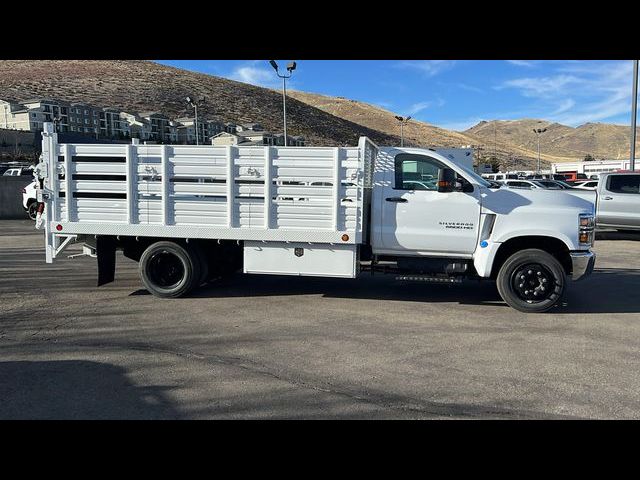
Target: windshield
x,y
477,178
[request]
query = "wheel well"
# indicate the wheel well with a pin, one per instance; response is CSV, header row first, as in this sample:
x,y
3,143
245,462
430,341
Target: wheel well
x,y
133,247
554,246
30,201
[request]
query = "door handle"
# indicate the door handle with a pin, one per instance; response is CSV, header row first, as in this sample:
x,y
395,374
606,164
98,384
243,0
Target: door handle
x,y
396,199
607,198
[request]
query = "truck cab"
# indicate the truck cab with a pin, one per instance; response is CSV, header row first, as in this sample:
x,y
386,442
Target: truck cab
x,y
450,221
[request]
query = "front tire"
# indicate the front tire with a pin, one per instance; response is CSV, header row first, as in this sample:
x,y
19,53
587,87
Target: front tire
x,y
32,210
531,281
169,270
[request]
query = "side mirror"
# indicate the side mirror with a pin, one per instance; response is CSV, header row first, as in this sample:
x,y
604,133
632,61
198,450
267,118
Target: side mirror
x,y
446,180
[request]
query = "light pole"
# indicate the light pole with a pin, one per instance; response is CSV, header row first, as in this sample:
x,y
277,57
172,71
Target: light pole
x,y
290,68
634,115
403,122
193,103
538,131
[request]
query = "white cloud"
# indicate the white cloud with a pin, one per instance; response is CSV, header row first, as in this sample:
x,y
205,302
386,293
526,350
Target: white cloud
x,y
470,88
255,72
420,106
579,92
541,86
564,106
521,63
430,68
255,75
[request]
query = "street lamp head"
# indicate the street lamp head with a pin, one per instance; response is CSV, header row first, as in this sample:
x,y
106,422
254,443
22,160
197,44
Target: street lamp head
x,y
189,100
543,130
407,119
274,65
399,118
291,67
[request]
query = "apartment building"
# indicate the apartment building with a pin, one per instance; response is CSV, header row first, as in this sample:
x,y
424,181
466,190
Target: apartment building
x,y
206,130
163,129
32,113
248,127
138,127
250,138
84,118
14,116
113,125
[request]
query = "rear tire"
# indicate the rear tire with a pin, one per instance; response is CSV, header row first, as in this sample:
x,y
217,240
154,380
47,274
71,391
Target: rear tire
x,y
169,270
531,281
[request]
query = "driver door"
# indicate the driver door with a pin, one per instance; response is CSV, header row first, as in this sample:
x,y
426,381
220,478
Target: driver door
x,y
416,218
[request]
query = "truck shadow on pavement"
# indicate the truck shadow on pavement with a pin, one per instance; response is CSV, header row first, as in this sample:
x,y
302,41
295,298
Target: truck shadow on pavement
x,y
608,290
364,288
616,235
74,389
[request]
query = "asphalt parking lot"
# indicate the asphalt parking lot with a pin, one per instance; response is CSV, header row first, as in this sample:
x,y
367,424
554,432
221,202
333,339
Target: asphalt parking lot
x,y
280,347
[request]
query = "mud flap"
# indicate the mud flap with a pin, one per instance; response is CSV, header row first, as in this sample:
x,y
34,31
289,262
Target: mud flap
x,y
106,251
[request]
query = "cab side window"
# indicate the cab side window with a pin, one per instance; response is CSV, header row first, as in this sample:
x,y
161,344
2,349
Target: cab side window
x,y
624,184
416,172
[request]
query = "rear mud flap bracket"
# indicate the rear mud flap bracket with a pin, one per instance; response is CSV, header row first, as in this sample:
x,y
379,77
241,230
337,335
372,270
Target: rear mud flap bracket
x,y
106,251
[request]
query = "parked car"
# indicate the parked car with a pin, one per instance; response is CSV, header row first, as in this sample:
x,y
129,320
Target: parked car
x,y
574,176
546,176
17,171
29,201
618,201
588,185
500,176
526,184
552,184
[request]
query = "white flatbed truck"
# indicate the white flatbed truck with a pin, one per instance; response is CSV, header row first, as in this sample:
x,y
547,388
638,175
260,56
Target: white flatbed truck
x,y
189,214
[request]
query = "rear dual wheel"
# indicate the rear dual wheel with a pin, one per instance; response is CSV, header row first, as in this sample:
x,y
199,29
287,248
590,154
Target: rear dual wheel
x,y
171,270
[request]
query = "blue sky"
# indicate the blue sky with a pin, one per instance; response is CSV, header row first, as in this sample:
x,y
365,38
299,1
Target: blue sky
x,y
456,94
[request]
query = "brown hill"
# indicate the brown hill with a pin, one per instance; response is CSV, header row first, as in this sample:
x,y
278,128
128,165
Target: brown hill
x,y
423,134
599,140
136,86
371,116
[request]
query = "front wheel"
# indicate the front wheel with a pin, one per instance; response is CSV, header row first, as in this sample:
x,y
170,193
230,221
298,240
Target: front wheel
x,y
32,210
531,281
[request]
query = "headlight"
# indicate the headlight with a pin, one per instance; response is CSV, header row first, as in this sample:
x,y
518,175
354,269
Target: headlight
x,y
586,227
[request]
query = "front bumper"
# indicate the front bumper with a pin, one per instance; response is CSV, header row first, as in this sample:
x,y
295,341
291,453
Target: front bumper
x,y
582,264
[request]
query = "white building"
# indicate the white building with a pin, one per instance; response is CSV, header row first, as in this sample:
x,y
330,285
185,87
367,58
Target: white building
x,y
31,114
593,167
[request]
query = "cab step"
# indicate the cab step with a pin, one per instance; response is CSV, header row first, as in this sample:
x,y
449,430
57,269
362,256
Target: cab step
x,y
430,279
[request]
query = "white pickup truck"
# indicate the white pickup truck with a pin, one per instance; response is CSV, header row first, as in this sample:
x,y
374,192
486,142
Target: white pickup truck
x,y
616,200
188,214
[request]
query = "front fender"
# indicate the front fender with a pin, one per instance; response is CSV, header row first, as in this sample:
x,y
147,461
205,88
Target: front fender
x,y
485,255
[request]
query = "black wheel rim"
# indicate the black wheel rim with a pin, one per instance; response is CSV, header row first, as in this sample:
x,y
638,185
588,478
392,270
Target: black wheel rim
x,y
165,269
33,211
533,283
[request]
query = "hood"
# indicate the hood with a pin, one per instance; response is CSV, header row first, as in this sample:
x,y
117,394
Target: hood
x,y
506,200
